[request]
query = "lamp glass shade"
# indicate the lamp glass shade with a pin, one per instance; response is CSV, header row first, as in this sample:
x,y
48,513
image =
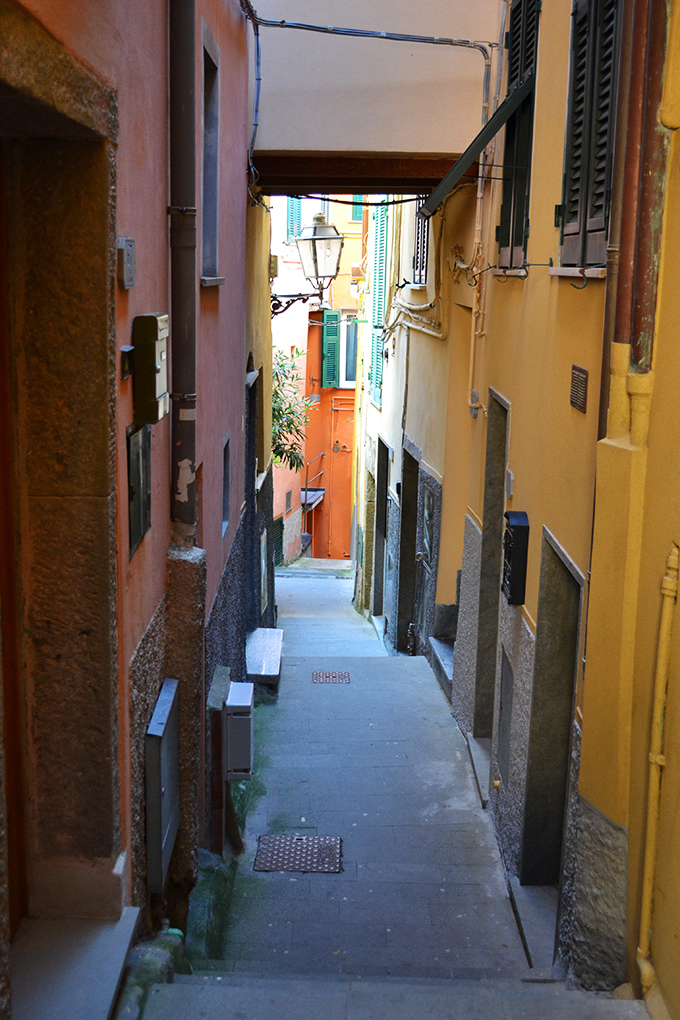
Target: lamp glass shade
x,y
320,247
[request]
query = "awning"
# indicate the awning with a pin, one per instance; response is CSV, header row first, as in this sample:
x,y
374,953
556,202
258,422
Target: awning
x,y
311,497
464,162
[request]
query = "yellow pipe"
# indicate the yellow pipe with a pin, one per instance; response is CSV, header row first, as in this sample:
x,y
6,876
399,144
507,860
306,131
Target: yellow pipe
x,y
669,593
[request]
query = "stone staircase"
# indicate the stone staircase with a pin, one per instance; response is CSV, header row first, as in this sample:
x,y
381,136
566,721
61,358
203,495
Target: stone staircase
x,y
253,996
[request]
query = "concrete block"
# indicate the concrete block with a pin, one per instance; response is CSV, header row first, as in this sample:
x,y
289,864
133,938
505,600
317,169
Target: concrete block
x,y
442,664
263,656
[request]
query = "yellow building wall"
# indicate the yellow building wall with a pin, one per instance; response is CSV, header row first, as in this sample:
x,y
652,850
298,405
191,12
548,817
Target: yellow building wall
x,y
258,320
534,329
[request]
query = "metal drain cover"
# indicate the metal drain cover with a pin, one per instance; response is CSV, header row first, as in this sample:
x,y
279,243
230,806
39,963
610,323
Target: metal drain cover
x,y
299,853
320,676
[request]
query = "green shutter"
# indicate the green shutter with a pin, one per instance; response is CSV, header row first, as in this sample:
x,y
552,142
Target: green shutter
x,y
357,207
376,366
379,267
330,348
293,218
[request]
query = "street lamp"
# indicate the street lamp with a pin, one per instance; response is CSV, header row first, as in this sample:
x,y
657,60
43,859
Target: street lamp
x,y
320,247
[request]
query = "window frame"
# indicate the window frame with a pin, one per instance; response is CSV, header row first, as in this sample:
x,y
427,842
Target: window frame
x,y
348,318
210,196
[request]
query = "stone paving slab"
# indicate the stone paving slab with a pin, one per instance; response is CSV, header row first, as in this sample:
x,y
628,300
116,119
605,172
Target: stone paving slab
x,y
253,997
406,807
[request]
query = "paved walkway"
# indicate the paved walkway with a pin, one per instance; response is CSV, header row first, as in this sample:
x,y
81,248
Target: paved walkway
x,y
381,763
421,899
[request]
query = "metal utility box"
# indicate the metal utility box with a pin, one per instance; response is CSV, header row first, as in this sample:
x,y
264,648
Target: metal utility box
x,y
162,785
237,732
150,370
515,554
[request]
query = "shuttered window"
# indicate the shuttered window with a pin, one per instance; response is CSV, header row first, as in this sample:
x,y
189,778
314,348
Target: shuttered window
x,y
590,130
378,287
522,45
139,483
420,245
357,207
330,348
293,218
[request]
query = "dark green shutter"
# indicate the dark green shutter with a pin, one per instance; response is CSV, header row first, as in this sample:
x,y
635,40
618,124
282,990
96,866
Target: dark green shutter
x,y
590,129
376,366
522,42
330,348
139,483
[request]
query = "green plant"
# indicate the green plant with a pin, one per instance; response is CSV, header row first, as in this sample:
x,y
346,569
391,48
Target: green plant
x,y
289,411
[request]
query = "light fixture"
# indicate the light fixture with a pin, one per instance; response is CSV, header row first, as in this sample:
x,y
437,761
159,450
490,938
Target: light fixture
x,y
320,248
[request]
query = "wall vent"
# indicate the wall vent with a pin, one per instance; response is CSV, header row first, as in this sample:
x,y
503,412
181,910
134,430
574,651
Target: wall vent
x,y
579,388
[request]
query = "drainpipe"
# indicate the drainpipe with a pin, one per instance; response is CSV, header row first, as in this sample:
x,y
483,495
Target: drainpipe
x,y
657,760
183,267
618,281
652,191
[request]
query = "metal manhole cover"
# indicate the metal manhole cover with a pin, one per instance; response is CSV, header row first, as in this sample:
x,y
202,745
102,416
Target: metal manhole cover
x,y
320,676
299,853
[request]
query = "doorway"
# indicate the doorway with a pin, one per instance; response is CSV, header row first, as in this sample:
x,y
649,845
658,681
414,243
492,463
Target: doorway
x,y
380,541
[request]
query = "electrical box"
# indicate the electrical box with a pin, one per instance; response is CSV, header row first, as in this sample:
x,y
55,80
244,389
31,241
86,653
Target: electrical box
x,y
515,554
127,262
150,371
162,785
237,732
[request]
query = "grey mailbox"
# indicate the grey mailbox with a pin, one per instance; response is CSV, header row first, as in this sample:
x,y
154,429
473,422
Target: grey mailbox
x,y
162,785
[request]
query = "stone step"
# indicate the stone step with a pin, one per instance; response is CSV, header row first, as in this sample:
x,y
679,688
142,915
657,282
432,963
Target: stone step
x,y
69,968
257,997
263,657
442,664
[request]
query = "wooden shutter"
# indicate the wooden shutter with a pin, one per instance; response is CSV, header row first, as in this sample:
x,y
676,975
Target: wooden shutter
x,y
139,483
330,348
602,132
420,246
576,157
379,266
522,43
357,207
376,366
293,218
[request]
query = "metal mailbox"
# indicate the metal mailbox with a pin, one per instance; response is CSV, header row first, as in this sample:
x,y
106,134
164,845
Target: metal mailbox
x,y
515,553
237,732
150,335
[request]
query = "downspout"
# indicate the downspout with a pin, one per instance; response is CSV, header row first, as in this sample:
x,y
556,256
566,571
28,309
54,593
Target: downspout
x,y
657,760
618,280
183,234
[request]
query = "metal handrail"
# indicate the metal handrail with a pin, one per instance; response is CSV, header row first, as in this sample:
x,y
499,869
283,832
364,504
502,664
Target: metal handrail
x,y
307,481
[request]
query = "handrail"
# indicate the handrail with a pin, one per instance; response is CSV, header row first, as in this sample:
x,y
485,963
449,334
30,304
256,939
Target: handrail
x,y
323,454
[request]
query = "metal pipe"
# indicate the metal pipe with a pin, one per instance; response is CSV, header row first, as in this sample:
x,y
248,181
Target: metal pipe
x,y
631,177
652,191
183,267
615,219
657,760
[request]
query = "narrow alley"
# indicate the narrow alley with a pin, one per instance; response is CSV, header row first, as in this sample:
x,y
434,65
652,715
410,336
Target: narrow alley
x,y
418,922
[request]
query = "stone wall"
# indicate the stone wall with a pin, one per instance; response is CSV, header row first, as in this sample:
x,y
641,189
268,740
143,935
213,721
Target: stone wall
x,y
465,654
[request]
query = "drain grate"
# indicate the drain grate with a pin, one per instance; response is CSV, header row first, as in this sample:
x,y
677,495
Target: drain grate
x,y
299,853
320,676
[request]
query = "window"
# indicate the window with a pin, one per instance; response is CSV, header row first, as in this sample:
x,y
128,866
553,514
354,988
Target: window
x,y
225,487
139,483
289,500
348,350
522,45
378,287
211,121
420,245
357,207
590,129
293,218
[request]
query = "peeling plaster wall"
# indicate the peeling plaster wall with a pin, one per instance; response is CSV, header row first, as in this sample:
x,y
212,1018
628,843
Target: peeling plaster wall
x,y
465,649
292,531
